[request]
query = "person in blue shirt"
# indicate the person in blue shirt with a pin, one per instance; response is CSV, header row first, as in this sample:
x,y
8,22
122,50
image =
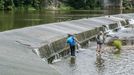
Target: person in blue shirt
x,y
71,40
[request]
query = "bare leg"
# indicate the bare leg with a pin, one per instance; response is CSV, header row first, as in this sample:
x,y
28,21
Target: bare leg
x,y
100,49
97,50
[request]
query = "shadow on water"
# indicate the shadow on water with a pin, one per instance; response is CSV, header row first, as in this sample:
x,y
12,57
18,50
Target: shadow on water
x,y
72,61
100,64
117,54
73,65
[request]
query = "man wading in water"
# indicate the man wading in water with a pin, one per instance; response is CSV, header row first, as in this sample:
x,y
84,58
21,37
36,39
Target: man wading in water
x,y
71,40
100,41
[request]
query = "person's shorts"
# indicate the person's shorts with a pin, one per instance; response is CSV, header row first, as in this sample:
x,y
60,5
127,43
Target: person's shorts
x,y
100,43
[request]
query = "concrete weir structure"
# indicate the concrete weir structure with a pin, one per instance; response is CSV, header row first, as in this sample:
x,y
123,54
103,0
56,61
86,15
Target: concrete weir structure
x,y
17,47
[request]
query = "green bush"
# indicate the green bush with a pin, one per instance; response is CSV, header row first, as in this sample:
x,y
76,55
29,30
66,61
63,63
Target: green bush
x,y
65,7
117,43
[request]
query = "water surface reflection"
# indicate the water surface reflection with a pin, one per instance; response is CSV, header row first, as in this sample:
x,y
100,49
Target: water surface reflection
x,y
19,19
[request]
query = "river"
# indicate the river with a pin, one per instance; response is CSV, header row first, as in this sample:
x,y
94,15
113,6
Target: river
x,y
86,61
108,64
19,19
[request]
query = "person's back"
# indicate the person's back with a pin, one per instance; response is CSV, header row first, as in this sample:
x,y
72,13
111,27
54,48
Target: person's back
x,y
71,41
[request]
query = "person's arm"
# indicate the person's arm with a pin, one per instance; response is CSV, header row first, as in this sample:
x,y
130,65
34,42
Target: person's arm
x,y
78,43
76,40
97,39
104,37
66,45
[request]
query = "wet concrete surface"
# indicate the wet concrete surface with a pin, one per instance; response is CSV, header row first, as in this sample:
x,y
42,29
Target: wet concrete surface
x,y
87,63
17,59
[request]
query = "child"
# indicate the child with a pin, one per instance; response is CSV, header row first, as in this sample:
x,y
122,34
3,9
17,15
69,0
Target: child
x,y
100,41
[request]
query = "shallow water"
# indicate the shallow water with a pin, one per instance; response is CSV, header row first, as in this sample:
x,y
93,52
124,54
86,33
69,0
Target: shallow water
x,y
87,63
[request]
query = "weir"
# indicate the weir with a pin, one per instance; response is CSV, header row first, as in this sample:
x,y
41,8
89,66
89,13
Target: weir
x,y
47,41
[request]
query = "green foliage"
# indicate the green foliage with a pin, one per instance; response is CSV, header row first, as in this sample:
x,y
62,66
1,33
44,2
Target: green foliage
x,y
1,4
64,7
83,4
7,4
61,4
118,44
127,4
76,4
23,4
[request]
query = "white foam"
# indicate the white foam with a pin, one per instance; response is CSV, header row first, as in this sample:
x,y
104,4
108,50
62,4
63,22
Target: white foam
x,y
37,52
56,60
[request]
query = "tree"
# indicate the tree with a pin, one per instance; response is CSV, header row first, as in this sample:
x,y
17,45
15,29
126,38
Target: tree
x,y
127,4
76,4
2,4
39,4
83,4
